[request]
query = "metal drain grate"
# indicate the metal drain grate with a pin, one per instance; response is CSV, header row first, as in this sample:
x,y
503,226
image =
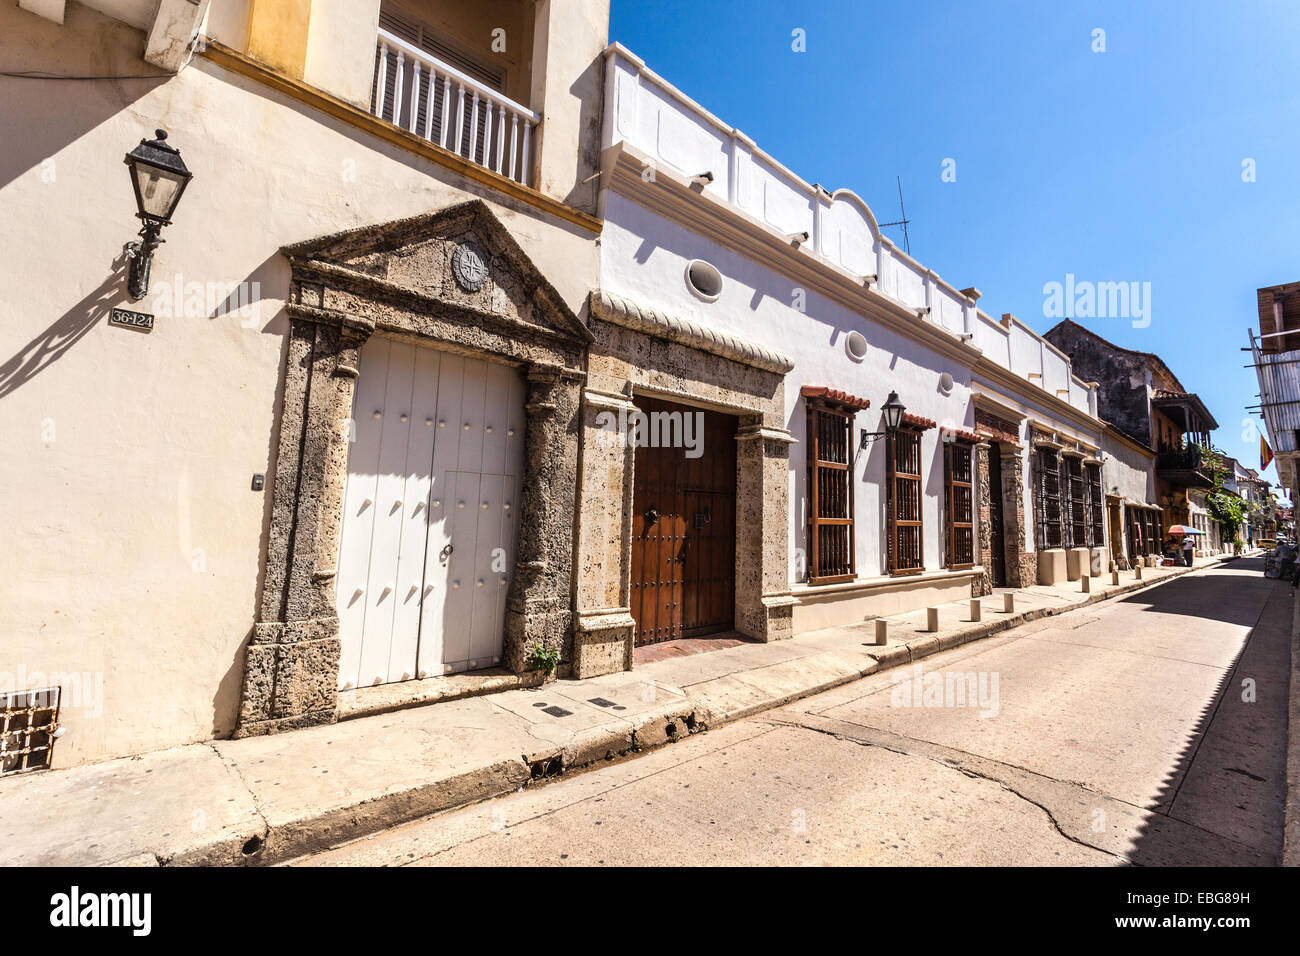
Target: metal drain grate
x,y
29,722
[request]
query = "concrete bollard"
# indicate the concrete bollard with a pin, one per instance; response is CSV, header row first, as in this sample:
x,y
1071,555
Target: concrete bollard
x,y
1137,572
882,631
975,609
932,619
1114,577
1086,583
1008,602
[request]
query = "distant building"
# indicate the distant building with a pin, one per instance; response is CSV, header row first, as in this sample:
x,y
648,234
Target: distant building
x,y
1141,396
1276,354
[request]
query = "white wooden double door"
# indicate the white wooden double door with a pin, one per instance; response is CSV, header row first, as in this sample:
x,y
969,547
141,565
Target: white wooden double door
x,y
429,513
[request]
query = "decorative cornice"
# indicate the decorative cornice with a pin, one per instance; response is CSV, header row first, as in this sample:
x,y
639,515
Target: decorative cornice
x,y
620,311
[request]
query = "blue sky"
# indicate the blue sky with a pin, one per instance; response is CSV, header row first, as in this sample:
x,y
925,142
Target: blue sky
x,y
1123,165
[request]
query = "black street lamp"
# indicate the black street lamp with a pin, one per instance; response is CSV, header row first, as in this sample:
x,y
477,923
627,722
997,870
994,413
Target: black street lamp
x,y
159,177
892,413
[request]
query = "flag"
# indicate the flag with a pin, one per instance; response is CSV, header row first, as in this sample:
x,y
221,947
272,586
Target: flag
x,y
1265,453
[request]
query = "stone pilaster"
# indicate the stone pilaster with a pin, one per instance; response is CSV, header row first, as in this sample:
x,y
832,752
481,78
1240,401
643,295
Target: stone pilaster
x,y
292,661
764,605
984,510
538,604
1022,565
604,630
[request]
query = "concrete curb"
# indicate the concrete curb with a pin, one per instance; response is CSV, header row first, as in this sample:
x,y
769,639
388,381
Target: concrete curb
x,y
293,836
1291,826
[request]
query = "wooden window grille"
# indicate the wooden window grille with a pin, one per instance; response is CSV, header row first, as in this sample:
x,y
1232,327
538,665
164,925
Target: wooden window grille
x,y
959,505
1047,486
830,488
1136,546
1075,502
1096,507
1155,532
904,533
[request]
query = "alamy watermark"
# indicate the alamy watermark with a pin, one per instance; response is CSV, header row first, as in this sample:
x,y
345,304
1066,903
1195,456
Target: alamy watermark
x,y
653,430
1084,299
197,300
974,689
82,690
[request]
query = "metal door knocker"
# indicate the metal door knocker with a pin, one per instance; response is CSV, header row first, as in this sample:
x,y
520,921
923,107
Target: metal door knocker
x,y
444,554
651,515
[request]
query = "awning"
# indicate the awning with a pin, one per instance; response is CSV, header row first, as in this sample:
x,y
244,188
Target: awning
x,y
917,421
958,434
833,396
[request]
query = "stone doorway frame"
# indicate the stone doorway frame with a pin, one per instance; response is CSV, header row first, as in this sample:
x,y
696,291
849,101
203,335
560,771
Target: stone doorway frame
x,y
454,280
635,351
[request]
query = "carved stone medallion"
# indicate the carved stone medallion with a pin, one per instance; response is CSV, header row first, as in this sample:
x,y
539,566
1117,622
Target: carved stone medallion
x,y
469,266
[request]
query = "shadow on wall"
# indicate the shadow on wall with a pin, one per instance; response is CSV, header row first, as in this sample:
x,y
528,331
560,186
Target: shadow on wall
x,y
588,89
41,119
51,345
243,304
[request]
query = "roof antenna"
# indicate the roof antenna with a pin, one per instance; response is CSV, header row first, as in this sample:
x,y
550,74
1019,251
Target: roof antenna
x,y
907,242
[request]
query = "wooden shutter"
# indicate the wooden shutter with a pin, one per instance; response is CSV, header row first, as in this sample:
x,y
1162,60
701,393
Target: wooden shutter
x,y
830,495
959,505
904,535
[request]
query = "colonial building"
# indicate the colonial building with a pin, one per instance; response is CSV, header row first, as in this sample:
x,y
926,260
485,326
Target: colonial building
x,y
866,437
1142,398
1133,512
298,466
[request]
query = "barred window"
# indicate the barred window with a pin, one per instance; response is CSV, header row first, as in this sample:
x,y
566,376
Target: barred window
x,y
830,490
959,505
904,541
1155,532
1047,487
1096,507
1075,502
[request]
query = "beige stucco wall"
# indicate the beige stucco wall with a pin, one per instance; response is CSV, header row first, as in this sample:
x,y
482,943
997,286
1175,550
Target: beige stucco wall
x,y
132,541
341,48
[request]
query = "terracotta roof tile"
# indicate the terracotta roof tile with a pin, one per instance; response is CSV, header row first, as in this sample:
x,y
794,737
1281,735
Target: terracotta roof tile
x,y
835,396
917,421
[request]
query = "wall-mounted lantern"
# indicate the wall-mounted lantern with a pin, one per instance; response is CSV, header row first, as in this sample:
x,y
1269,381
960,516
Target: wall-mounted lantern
x,y
159,177
892,413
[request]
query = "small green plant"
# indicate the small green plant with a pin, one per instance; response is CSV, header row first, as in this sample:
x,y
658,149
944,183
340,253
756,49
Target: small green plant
x,y
544,659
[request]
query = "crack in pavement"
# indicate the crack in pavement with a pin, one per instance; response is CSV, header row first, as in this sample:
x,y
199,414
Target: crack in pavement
x,y
968,771
1021,782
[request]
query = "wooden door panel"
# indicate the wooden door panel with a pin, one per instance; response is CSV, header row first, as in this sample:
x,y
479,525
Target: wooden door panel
x,y
683,575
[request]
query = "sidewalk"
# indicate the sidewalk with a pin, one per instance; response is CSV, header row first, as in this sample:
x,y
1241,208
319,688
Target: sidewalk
x,y
263,800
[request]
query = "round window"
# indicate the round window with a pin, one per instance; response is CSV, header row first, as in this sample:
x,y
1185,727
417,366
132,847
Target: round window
x,y
945,383
856,345
704,280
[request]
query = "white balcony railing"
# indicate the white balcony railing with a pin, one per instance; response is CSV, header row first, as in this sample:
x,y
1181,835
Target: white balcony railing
x,y
439,103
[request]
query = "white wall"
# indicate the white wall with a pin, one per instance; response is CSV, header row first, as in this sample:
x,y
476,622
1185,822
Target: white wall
x,y
663,123
644,258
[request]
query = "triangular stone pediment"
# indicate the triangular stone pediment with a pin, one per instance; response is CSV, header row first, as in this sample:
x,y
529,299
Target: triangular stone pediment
x,y
460,256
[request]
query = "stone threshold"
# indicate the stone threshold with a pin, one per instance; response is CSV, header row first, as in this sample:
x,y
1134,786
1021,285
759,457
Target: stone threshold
x,y
386,698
